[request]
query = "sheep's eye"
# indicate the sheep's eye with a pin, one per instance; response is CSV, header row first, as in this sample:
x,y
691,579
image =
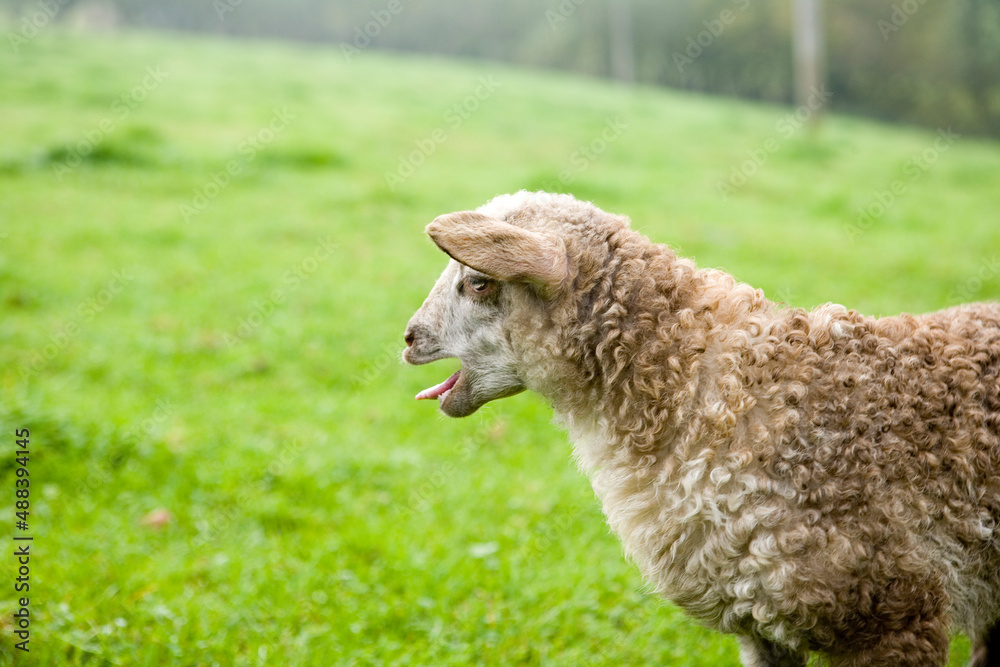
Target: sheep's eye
x,y
476,284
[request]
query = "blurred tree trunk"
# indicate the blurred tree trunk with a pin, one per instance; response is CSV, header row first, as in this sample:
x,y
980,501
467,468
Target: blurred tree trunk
x,y
807,45
977,65
622,50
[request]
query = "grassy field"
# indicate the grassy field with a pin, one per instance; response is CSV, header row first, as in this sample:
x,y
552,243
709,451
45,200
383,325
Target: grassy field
x,y
208,253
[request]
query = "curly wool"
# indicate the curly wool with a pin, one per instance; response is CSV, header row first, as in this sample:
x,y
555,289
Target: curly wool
x,y
823,480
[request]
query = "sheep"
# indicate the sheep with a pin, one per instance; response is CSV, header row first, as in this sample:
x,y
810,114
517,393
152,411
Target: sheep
x,y
810,481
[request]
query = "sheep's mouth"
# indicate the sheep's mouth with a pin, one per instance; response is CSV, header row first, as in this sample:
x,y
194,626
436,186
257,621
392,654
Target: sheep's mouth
x,y
455,396
441,391
460,395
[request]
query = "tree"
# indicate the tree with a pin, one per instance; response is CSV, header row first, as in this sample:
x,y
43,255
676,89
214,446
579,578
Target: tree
x,y
808,45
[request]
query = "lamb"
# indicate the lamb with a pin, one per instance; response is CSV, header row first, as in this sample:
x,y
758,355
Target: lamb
x,y
809,481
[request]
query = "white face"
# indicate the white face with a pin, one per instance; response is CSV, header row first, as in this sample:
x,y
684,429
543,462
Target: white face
x,y
464,317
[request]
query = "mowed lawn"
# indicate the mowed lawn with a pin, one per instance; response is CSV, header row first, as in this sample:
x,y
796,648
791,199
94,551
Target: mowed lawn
x,y
208,252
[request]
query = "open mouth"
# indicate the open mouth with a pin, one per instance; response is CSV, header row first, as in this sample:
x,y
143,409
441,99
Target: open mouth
x,y
441,391
457,396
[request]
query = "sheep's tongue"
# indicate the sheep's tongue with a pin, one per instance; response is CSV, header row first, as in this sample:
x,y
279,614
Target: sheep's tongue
x,y
434,392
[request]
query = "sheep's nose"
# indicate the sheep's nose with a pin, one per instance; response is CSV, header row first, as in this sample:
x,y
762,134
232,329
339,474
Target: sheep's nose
x,y
409,337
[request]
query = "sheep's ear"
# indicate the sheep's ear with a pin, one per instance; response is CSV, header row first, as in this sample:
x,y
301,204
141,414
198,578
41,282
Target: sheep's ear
x,y
502,250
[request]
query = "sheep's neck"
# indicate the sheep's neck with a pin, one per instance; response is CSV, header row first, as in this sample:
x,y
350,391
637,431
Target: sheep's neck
x,y
661,413
649,378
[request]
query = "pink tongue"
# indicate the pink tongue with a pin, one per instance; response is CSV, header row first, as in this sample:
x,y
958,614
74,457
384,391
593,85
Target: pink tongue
x,y
436,391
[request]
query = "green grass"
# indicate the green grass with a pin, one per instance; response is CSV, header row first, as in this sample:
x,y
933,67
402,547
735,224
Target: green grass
x,y
242,372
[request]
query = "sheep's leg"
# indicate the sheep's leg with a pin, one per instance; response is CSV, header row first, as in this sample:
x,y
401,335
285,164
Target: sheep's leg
x,y
759,652
986,652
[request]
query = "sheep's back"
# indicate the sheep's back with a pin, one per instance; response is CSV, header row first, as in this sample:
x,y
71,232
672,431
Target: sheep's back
x,y
891,442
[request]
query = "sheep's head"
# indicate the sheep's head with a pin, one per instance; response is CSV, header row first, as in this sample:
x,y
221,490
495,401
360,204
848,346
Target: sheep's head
x,y
497,269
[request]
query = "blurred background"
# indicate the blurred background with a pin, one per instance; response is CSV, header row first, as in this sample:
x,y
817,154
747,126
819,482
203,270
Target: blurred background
x,y
211,240
940,70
